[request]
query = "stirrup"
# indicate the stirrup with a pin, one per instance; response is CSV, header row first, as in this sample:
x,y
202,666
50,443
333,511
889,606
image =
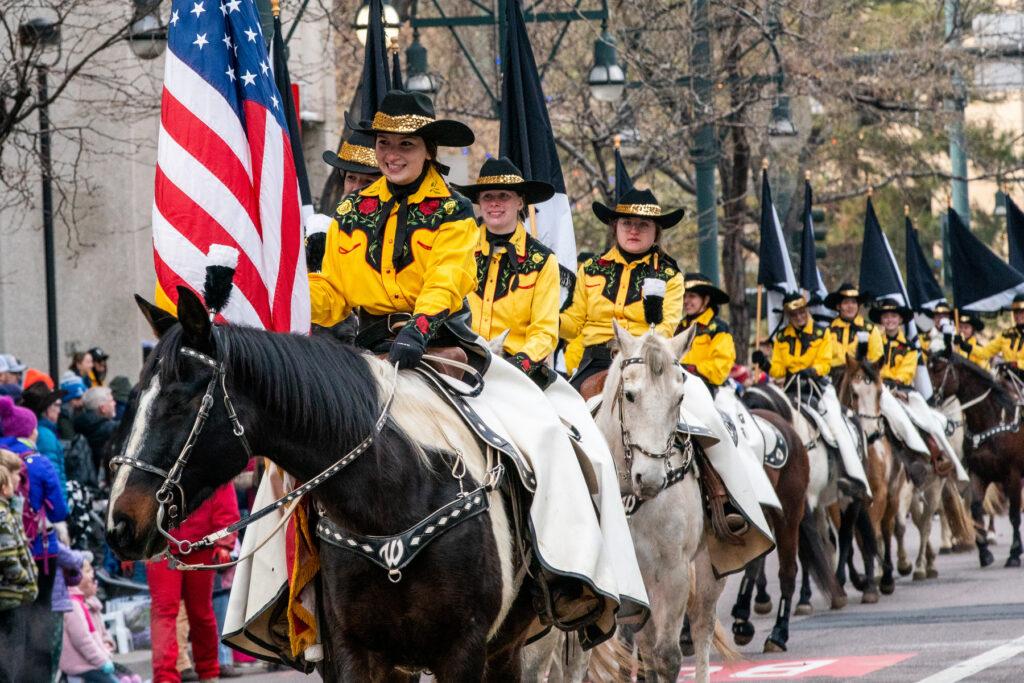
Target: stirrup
x,y
544,603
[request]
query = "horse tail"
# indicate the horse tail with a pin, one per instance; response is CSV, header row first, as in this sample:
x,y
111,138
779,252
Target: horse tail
x,y
612,660
719,638
995,501
960,523
815,559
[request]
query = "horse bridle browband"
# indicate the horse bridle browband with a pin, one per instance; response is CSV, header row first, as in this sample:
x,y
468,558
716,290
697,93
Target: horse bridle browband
x,y
172,477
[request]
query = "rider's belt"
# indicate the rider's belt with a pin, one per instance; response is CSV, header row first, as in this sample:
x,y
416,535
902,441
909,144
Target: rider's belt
x,y
375,330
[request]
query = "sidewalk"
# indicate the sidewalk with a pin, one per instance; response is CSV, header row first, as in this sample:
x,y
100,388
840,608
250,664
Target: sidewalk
x,y
139,662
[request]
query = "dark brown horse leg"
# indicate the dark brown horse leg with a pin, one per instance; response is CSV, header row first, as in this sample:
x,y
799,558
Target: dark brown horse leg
x,y
465,662
762,598
742,629
985,557
869,551
787,538
887,585
1012,486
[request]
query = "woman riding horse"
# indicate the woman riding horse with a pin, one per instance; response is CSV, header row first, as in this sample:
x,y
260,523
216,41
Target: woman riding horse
x,y
611,286
802,358
517,276
402,252
847,327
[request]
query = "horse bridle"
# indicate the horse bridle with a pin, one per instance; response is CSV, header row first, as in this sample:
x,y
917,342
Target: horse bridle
x,y
172,477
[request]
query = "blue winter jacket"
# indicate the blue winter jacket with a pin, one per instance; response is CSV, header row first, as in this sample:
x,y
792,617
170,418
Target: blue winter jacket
x,y
43,488
49,445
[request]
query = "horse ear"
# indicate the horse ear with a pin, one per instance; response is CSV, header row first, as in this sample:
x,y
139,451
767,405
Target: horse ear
x,y
623,339
195,320
680,343
159,319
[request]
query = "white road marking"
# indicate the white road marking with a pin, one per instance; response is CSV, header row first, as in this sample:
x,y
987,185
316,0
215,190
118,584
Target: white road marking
x,y
970,667
135,441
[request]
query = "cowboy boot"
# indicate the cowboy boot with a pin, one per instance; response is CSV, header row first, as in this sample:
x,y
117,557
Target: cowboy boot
x,y
726,522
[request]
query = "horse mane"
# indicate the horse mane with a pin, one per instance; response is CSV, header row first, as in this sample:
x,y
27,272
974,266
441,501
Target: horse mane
x,y
987,379
655,354
845,387
314,384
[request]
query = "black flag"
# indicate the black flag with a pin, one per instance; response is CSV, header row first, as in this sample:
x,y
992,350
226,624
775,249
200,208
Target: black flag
x,y
774,268
922,287
982,281
527,139
1015,234
284,86
810,276
623,183
373,85
396,72
879,275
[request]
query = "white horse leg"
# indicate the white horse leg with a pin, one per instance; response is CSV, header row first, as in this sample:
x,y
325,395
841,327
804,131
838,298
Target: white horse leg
x,y
658,641
538,656
702,618
923,512
906,495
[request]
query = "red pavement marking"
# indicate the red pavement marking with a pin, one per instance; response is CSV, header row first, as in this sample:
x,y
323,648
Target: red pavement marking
x,y
790,669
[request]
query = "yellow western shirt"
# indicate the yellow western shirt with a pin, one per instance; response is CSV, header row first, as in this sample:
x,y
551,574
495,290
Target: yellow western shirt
x,y
518,291
796,350
369,265
980,353
1009,344
844,339
609,288
713,351
899,359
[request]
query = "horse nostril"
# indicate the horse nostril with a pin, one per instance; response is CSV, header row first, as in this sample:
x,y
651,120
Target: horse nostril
x,y
639,478
122,532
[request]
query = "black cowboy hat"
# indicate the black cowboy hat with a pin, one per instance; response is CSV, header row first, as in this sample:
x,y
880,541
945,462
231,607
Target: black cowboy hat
x,y
502,174
356,154
793,301
889,306
941,307
844,291
700,284
412,113
638,204
973,319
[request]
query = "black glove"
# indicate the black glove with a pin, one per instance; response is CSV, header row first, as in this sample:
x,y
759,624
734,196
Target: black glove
x,y
760,360
808,373
411,342
962,343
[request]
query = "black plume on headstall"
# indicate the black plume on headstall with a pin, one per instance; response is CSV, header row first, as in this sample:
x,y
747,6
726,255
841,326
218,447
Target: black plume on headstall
x,y
220,271
654,300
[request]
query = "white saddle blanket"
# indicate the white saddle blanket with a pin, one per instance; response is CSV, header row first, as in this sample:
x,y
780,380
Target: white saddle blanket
x,y
754,442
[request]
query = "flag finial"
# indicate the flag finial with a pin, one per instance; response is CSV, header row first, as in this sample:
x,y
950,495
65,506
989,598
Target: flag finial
x,y
617,141
764,163
807,176
871,191
275,7
906,209
394,47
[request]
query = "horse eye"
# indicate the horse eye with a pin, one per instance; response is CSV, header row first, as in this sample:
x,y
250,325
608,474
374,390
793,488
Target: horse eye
x,y
630,396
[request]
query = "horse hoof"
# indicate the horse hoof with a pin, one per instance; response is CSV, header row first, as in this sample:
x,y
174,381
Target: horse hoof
x,y
763,607
905,569
774,646
920,575
1013,562
945,550
686,647
742,632
839,602
858,582
869,598
888,587
985,557
932,573
804,609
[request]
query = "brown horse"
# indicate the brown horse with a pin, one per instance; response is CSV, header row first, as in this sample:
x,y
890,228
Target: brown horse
x,y
795,533
993,443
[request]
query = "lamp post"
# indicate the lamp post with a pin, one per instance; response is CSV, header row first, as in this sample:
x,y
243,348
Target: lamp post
x,y
40,34
419,78
607,80
147,34
392,22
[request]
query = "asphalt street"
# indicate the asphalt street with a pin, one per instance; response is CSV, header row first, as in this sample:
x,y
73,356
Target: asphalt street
x,y
967,624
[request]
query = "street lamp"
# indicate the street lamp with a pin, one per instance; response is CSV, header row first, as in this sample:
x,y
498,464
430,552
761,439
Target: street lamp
x,y
781,125
392,23
39,34
147,34
607,80
419,78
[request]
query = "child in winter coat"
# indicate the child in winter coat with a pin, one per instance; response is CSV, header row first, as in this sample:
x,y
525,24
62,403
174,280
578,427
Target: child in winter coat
x,y
85,653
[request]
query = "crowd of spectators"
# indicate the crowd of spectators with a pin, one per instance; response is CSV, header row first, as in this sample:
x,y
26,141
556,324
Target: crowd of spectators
x,y
56,439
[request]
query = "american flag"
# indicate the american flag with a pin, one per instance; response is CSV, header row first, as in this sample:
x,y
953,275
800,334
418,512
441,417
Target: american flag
x,y
225,172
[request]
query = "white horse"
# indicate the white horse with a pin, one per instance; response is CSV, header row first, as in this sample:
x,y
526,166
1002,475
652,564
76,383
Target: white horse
x,y
639,416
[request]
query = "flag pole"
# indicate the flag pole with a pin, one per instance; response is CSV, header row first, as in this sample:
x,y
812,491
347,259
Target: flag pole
x,y
760,291
533,221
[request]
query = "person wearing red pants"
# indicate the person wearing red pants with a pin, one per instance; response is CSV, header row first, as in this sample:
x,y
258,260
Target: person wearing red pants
x,y
167,587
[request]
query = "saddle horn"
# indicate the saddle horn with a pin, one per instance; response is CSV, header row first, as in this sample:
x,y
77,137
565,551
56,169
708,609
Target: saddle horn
x,y
222,261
